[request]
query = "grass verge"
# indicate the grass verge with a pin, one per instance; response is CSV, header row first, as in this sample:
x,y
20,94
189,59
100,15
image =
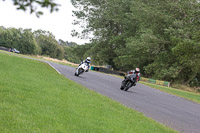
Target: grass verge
x,y
175,91
63,62
181,93
35,98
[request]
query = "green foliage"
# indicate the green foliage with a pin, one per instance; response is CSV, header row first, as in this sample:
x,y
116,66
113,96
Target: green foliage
x,y
28,42
60,52
32,5
70,55
76,53
66,43
21,39
160,37
47,43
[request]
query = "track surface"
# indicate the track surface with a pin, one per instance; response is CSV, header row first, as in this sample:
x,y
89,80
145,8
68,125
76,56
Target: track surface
x,y
175,112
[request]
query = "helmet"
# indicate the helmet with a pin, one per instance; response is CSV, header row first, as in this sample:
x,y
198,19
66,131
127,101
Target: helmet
x,y
137,70
88,59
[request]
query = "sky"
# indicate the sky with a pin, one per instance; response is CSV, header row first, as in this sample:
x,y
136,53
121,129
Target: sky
x,y
58,23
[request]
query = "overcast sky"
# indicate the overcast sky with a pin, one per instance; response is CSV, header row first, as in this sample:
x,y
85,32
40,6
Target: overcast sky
x,y
59,23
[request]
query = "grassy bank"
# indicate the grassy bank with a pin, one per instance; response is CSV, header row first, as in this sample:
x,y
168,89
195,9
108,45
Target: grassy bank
x,y
35,98
181,93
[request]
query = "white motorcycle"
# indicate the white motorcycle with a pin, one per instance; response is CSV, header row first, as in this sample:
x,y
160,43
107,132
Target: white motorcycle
x,y
82,68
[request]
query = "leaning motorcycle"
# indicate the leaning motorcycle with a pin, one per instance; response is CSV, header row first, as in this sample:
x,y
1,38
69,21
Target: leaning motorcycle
x,y
80,69
128,82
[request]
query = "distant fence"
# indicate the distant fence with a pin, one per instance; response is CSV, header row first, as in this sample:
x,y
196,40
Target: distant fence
x,y
106,70
153,81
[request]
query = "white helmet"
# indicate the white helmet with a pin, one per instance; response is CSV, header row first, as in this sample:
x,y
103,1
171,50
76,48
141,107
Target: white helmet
x,y
88,59
137,70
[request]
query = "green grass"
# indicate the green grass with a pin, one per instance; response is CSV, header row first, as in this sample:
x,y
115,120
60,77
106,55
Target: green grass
x,y
35,98
181,93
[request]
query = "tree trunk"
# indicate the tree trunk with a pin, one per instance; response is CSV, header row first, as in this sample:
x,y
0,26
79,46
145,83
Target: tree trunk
x,y
190,79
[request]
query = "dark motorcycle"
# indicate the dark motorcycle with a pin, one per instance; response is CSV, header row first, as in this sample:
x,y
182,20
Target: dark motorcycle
x,y
128,82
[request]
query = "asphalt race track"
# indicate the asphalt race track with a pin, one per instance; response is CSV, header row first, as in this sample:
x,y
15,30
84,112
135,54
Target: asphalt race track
x,y
175,112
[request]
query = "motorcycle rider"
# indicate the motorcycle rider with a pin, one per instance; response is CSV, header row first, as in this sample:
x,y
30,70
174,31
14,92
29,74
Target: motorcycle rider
x,y
131,72
87,61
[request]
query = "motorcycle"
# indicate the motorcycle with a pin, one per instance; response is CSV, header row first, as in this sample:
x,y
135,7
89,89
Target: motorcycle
x,y
80,69
128,82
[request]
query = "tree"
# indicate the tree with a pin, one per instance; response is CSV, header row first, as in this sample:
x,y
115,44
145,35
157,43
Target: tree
x,y
76,53
33,4
27,42
21,39
49,46
63,43
160,37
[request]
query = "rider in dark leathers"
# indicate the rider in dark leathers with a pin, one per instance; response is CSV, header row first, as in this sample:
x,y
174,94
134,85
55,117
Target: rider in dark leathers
x,y
130,73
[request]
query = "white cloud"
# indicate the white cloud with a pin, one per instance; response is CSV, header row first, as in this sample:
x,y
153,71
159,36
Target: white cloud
x,y
59,23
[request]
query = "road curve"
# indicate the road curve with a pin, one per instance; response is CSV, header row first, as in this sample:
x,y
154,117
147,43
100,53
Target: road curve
x,y
175,112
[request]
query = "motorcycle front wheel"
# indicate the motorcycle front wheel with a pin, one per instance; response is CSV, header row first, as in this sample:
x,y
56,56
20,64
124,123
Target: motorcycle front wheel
x,y
123,85
80,71
128,85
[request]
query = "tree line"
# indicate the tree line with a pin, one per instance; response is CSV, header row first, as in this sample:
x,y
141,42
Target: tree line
x,y
162,38
41,42
37,43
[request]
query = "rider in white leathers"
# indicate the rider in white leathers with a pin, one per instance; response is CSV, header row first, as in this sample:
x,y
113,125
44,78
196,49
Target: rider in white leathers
x,y
87,61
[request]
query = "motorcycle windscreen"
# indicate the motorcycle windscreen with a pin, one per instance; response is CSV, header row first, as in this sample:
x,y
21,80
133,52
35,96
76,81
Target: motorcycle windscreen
x,y
133,77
